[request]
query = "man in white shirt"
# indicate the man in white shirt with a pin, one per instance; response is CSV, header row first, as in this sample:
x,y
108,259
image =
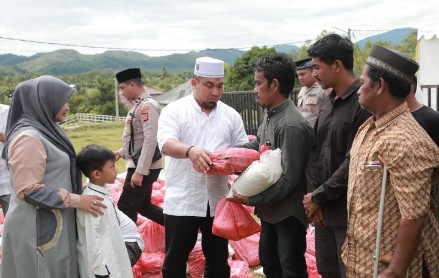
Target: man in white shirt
x,y
5,183
189,128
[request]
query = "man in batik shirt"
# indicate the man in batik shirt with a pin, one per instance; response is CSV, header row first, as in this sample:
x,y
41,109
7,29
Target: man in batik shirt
x,y
391,137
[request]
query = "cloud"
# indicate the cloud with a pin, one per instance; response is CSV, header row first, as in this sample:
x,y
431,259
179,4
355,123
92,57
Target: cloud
x,y
196,24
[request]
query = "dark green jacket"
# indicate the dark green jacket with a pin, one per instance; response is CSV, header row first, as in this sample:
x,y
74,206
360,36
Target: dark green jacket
x,y
285,128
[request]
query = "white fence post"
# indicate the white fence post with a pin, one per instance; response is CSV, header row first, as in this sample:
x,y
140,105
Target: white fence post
x,y
93,118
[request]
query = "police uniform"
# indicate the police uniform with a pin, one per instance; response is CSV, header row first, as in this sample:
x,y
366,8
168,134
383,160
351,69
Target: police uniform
x,y
310,100
143,116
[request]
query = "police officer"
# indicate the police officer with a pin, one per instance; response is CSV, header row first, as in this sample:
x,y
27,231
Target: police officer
x,y
311,97
139,140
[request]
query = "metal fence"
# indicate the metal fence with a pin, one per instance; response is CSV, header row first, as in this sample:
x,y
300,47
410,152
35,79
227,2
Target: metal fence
x,y
250,111
243,102
247,107
431,96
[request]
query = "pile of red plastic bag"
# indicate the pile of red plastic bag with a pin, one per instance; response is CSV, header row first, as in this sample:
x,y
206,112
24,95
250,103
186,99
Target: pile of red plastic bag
x,y
243,252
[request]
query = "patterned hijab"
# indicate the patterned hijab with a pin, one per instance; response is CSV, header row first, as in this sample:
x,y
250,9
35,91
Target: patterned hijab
x,y
35,103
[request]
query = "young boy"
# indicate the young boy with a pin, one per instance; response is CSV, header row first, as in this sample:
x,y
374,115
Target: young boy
x,y
101,249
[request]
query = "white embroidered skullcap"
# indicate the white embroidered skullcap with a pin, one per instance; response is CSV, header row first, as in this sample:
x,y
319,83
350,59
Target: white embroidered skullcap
x,y
209,67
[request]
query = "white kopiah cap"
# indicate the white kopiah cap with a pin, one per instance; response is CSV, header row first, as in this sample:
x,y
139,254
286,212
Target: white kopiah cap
x,y
209,67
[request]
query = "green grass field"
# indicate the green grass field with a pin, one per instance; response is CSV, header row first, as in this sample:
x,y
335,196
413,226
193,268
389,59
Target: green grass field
x,y
106,134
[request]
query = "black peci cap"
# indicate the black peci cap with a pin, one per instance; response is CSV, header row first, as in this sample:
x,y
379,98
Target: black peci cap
x,y
128,74
393,62
304,64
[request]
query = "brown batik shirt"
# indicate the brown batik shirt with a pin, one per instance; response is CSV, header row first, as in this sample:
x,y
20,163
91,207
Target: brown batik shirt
x,y
413,160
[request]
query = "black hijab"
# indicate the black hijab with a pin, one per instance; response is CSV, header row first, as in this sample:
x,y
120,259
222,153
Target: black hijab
x,y
35,103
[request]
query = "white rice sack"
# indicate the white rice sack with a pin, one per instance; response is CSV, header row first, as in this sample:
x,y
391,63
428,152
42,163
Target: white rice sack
x,y
260,175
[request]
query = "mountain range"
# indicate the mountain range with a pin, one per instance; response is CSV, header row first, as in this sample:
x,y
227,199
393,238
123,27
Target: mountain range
x,y
68,61
394,37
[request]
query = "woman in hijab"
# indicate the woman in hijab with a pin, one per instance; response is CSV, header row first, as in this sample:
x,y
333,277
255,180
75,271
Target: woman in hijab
x,y
39,237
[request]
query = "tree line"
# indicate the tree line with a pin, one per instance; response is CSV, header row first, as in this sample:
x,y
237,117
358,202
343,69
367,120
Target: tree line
x,y
95,90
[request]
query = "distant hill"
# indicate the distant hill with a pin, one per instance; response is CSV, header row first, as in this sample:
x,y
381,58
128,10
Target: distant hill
x,y
394,36
286,48
67,61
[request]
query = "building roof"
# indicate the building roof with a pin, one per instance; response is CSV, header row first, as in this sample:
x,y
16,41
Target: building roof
x,y
180,91
152,91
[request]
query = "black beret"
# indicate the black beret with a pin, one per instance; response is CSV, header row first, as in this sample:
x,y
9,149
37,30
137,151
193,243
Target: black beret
x,y
128,74
394,63
304,64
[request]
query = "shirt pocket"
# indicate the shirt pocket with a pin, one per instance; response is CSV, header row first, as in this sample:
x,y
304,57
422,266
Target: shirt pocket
x,y
311,101
372,180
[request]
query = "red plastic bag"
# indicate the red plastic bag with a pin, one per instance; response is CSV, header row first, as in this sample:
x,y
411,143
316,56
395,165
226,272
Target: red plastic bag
x,y
228,161
247,249
310,252
239,269
158,196
233,221
153,235
196,261
251,137
150,263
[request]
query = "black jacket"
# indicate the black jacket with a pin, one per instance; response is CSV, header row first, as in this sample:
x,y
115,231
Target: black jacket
x,y
328,165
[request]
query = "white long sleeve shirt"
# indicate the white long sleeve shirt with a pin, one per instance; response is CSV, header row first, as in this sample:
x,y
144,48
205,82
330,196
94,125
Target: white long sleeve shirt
x,y
129,230
187,191
101,249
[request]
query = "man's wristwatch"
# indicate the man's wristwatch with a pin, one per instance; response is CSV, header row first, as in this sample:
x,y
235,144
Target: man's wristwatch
x,y
313,200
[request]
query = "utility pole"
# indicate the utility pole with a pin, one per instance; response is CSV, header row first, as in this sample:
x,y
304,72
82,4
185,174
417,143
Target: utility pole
x,y
116,98
348,32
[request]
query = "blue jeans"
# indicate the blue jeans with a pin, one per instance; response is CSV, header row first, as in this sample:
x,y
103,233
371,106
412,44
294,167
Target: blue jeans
x,y
282,249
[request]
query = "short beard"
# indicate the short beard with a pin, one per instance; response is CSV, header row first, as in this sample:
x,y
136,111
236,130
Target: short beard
x,y
208,105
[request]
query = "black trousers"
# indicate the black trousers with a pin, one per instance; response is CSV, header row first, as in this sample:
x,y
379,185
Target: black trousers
x,y
138,199
181,235
282,249
328,242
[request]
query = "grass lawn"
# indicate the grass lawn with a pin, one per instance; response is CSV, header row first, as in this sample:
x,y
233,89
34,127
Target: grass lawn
x,y
106,134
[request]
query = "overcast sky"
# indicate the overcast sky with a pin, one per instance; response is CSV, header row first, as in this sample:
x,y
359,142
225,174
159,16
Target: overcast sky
x,y
173,25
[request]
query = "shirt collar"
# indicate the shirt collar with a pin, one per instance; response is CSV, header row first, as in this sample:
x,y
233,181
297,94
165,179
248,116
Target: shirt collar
x,y
100,189
315,85
142,97
390,116
349,91
277,109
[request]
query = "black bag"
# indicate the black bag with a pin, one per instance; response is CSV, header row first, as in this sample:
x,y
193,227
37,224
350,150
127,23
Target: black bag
x,y
157,155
